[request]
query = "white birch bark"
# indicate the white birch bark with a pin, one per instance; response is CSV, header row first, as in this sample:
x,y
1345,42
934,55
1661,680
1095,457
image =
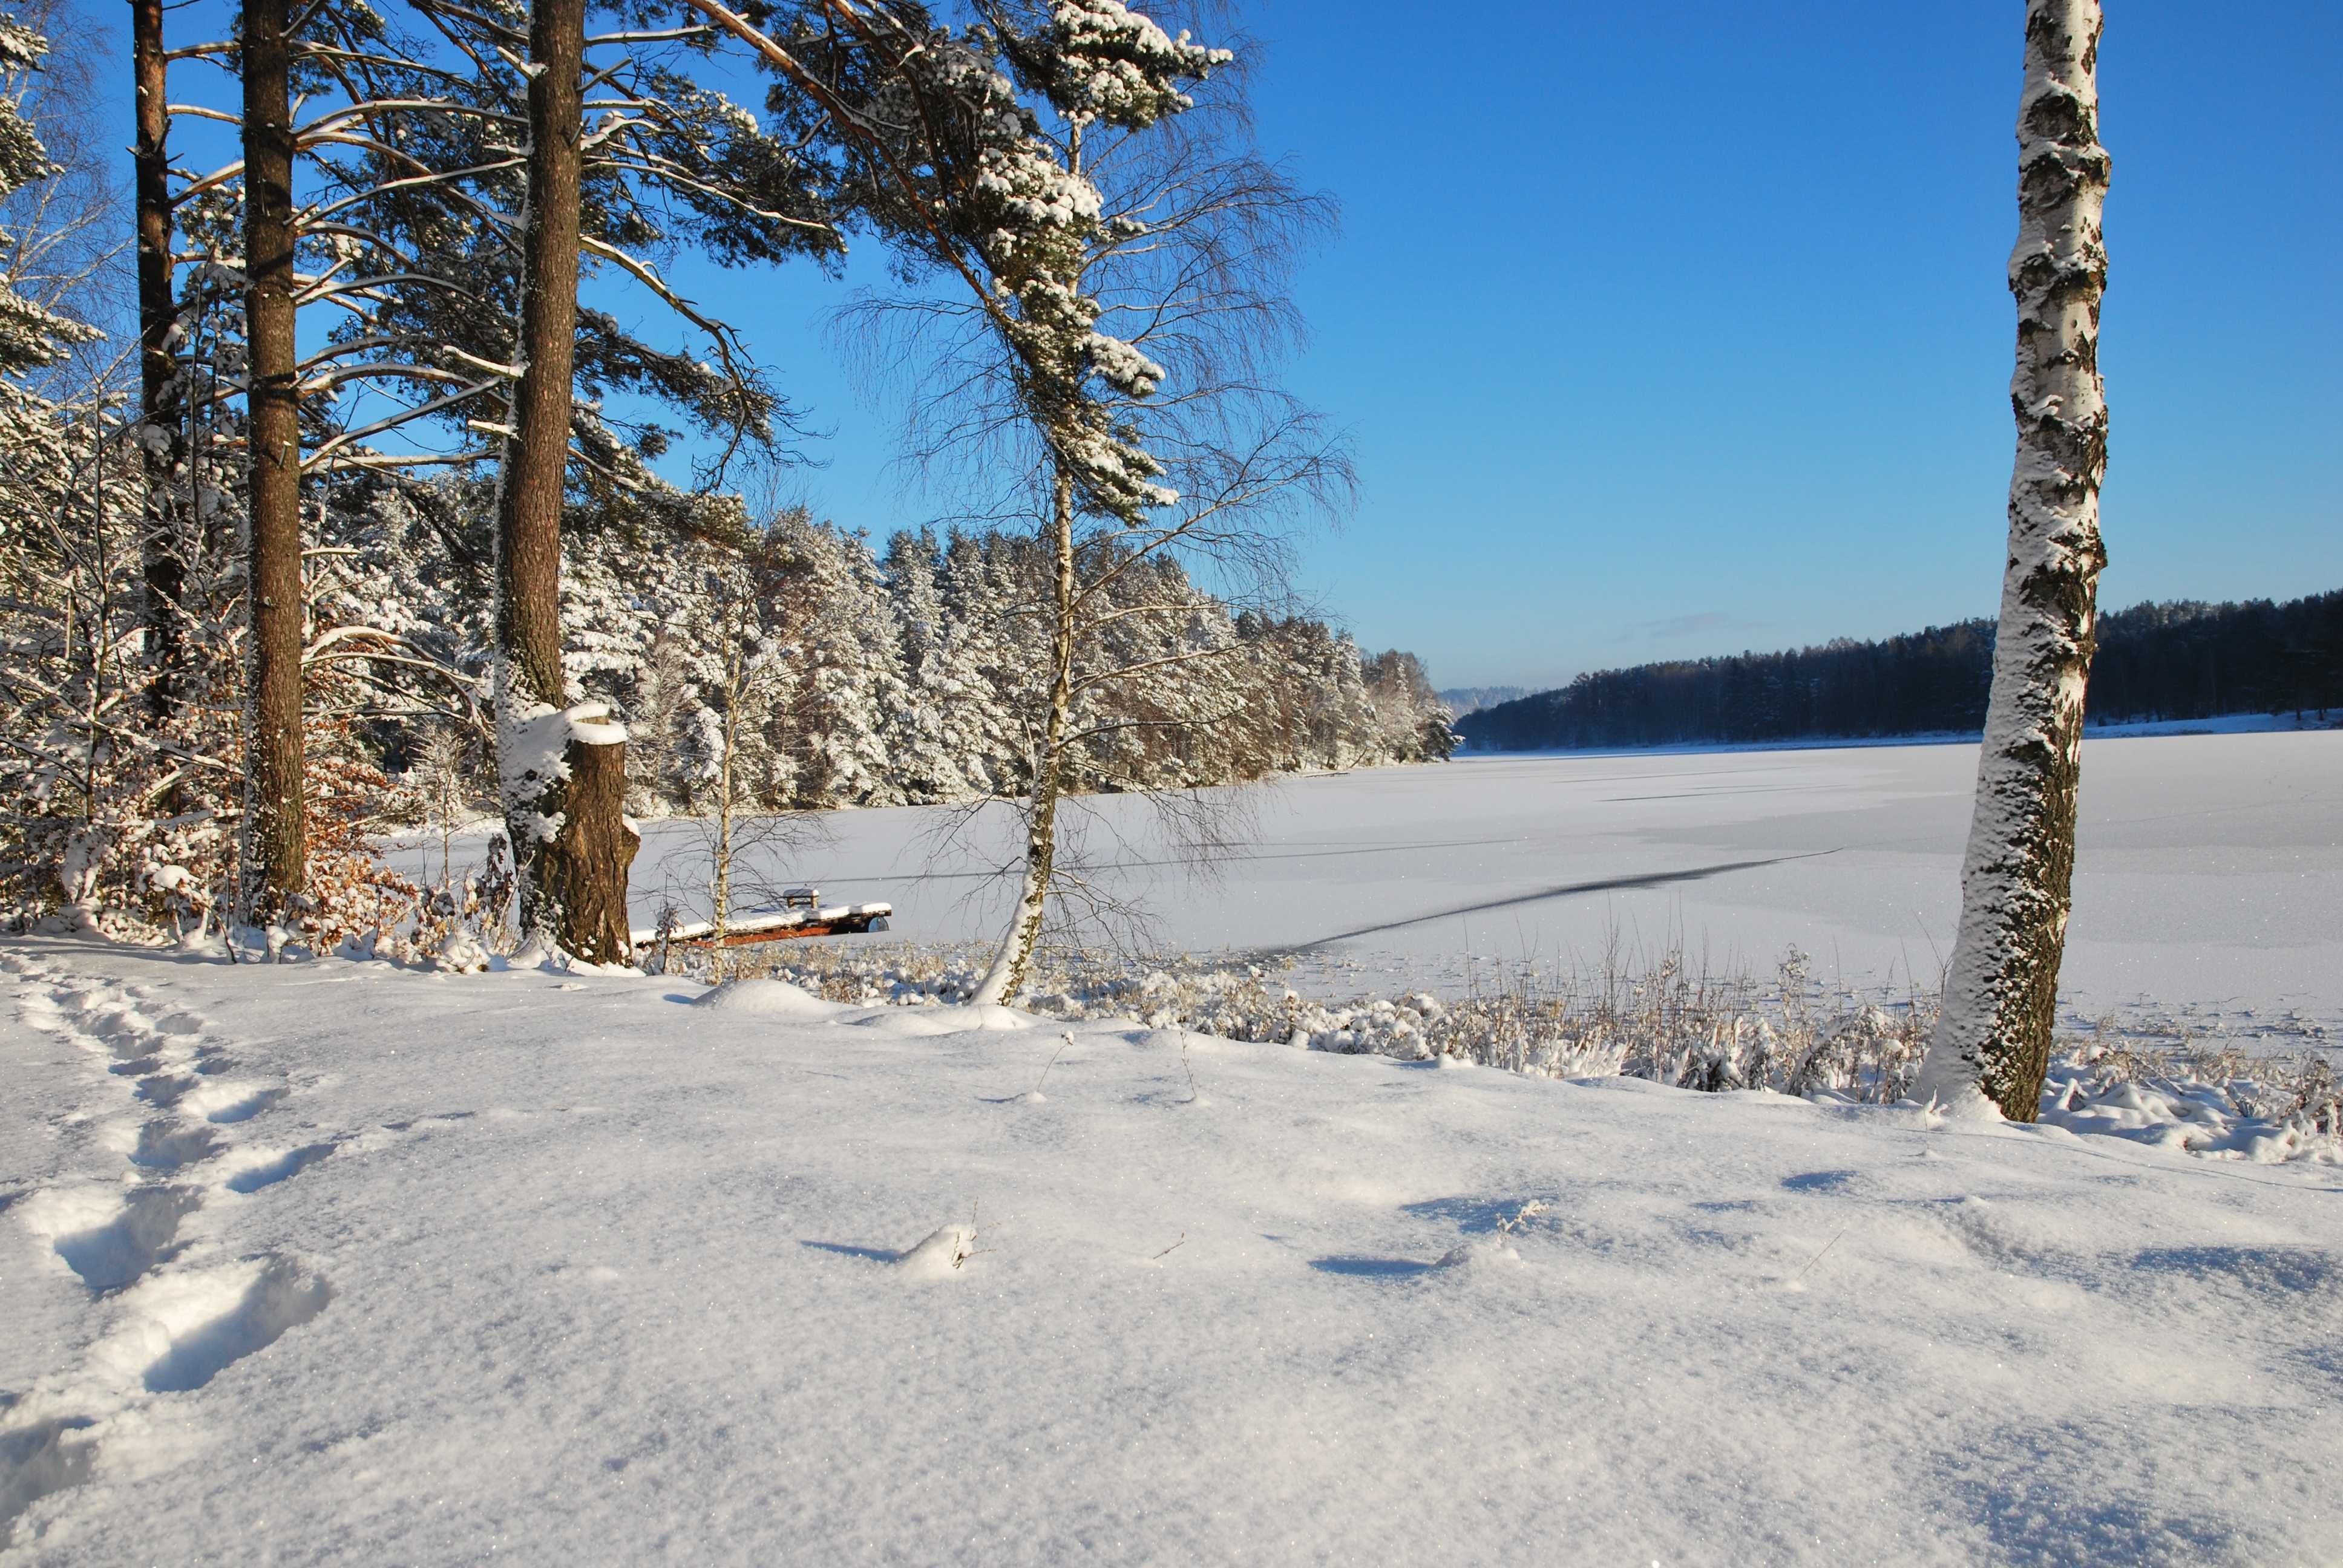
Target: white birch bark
x,y
720,888
1011,964
1991,1046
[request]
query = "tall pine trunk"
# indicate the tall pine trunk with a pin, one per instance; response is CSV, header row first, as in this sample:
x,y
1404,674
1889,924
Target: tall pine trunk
x,y
563,774
276,829
1993,1042
1014,961
162,439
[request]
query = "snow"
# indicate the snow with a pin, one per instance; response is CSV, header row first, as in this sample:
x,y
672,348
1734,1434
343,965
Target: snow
x,y
336,1262
2209,889
2215,724
764,998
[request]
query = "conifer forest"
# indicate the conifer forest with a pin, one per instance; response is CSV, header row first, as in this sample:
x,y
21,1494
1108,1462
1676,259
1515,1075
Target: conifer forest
x,y
359,453
2155,662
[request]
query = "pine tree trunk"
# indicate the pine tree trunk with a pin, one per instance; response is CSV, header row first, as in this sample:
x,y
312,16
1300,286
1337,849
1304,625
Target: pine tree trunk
x,y
563,792
276,830
1993,1042
1014,961
163,441
595,848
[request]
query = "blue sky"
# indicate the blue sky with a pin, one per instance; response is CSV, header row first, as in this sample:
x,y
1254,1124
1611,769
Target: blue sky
x,y
1680,330
1672,330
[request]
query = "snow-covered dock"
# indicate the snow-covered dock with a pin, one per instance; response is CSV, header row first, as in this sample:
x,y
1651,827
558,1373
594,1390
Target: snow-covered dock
x,y
810,918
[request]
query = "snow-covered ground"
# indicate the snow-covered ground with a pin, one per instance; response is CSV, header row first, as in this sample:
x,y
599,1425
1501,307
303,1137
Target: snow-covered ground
x,y
2208,887
337,1262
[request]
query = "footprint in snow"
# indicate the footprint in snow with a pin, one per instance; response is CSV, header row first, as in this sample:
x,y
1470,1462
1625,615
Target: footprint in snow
x,y
107,1236
169,1145
259,1167
40,1459
182,1329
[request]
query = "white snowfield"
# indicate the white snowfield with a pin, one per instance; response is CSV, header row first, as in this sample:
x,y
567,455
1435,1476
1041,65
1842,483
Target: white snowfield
x,y
336,1262
2208,886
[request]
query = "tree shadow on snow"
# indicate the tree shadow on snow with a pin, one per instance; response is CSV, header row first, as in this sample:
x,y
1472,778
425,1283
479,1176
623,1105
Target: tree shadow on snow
x,y
2065,1493
2267,1271
868,1254
1472,1216
1635,882
1369,1268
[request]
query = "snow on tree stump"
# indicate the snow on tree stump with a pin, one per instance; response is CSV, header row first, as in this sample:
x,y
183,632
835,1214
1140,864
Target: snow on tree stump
x,y
597,847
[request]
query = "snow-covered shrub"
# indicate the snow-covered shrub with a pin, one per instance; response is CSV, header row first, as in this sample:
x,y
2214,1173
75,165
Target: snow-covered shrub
x,y
2206,1100
1687,1027
1673,1025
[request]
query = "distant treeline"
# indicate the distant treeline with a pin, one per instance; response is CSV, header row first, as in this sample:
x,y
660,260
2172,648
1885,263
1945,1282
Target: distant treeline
x,y
1464,699
2178,661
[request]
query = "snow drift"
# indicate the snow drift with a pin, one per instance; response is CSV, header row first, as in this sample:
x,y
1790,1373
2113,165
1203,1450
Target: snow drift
x,y
563,1269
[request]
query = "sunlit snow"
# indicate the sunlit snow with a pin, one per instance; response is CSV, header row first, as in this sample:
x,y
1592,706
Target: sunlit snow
x,y
563,1269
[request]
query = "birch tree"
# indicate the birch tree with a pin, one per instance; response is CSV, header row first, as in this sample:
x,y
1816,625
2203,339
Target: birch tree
x,y
1133,376
1024,215
746,672
975,151
1992,1044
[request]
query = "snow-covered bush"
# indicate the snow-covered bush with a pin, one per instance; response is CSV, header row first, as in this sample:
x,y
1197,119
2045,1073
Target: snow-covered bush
x,y
1661,1021
1677,1026
2206,1100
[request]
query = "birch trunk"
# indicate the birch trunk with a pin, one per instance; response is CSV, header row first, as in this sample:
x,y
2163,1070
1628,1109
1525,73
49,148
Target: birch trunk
x,y
1011,964
163,441
1992,1045
720,889
277,827
563,776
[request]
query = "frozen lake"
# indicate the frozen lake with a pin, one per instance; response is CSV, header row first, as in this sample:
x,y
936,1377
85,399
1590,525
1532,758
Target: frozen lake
x,y
2210,881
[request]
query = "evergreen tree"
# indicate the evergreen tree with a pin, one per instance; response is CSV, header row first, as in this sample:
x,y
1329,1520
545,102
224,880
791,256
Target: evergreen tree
x,y
926,732
32,334
844,647
991,651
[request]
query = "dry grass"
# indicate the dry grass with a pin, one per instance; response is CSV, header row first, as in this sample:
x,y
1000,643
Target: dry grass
x,y
1670,1022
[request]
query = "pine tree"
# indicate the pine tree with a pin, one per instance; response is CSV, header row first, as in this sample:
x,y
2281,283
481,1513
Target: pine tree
x,y
843,649
276,810
88,770
921,731
563,768
31,333
162,436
